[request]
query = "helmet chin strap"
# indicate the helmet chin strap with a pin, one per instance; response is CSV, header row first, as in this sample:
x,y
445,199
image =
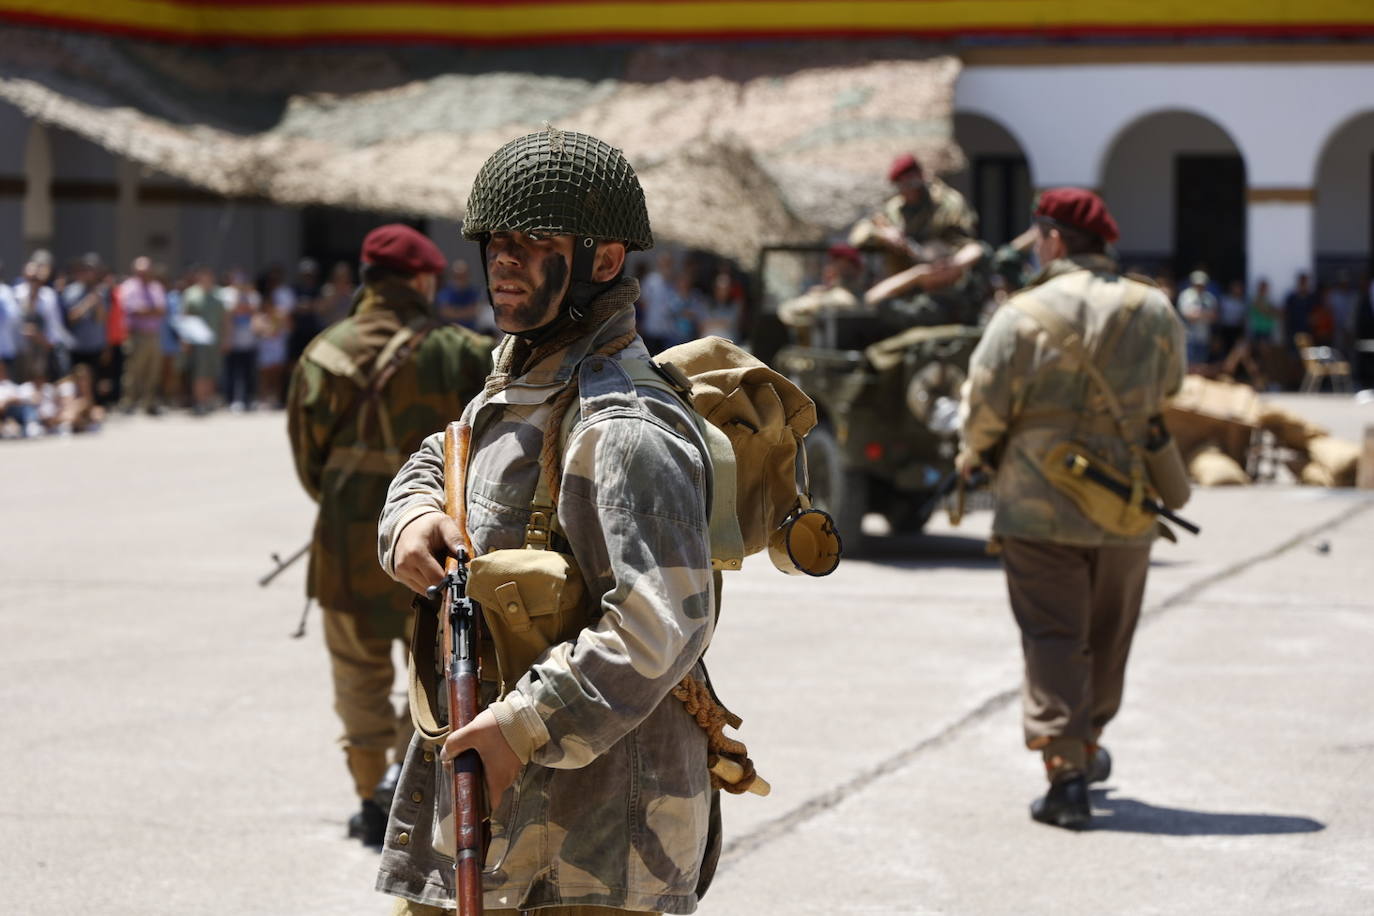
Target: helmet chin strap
x,y
581,289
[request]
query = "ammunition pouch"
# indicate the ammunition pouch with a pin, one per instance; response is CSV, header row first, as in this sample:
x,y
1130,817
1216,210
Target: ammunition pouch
x,y
1104,508
531,600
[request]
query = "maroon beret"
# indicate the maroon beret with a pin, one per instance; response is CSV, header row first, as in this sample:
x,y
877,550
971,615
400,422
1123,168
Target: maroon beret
x,y
401,248
842,252
1078,209
901,165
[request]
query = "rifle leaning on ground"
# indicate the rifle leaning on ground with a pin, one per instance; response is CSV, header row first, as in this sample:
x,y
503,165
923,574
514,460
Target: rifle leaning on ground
x,y
460,642
282,566
1082,466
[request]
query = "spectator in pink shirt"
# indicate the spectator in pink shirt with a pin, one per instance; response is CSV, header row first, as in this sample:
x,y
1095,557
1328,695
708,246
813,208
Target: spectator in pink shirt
x,y
144,303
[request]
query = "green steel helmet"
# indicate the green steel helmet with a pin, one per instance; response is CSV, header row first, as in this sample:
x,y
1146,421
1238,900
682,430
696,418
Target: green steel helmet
x,y
556,182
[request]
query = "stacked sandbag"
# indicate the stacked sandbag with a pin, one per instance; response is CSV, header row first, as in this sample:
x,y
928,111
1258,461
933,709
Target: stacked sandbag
x,y
1211,467
1215,424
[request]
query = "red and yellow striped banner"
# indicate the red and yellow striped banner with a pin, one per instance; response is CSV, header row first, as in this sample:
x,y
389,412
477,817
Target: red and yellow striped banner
x,y
527,21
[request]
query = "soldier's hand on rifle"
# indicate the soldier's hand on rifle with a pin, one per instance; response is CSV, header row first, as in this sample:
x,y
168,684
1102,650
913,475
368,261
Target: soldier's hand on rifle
x,y
967,463
422,547
499,763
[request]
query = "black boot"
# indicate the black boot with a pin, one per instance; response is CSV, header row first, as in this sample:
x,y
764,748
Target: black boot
x,y
1099,765
385,792
369,824
1065,804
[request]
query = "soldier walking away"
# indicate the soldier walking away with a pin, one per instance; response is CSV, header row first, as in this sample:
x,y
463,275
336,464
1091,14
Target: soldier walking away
x,y
597,779
1075,586
362,398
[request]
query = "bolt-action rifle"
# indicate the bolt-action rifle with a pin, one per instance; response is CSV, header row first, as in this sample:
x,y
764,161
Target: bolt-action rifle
x,y
460,643
1080,465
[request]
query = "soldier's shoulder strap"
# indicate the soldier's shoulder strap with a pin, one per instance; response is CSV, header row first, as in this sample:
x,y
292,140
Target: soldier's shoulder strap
x,y
370,383
1064,335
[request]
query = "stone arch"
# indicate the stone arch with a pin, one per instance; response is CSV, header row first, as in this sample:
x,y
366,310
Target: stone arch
x,y
1343,221
997,180
1176,181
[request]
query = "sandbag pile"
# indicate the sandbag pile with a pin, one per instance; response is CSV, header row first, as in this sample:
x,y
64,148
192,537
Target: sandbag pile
x,y
1216,424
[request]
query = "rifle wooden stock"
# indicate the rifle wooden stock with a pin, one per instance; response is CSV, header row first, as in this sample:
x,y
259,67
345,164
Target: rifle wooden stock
x,y
462,638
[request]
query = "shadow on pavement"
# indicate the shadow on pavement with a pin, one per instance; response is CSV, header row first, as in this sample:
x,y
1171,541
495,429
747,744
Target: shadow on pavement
x,y
917,551
1126,815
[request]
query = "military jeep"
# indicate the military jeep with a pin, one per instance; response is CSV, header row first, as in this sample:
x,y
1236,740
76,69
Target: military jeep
x,y
887,403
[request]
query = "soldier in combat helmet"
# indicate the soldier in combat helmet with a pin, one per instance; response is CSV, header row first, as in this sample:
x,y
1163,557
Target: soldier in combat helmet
x,y
362,397
596,777
1075,587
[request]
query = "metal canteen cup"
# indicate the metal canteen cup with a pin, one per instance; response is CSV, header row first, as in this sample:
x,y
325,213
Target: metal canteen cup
x,y
806,544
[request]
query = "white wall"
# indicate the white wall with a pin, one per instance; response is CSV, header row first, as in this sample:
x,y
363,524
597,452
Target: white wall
x,y
1067,117
1138,178
1343,190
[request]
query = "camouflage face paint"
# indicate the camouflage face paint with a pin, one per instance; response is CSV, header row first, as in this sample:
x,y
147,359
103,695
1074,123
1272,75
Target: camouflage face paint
x,y
521,298
538,312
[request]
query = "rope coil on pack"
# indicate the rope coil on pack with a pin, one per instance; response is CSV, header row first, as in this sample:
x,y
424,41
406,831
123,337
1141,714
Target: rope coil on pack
x,y
701,705
549,458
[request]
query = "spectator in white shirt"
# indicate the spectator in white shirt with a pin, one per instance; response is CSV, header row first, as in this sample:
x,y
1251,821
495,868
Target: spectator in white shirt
x,y
45,345
1199,310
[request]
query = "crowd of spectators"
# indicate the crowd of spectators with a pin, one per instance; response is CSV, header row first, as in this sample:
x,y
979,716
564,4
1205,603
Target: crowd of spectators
x,y
1252,334
700,298
80,341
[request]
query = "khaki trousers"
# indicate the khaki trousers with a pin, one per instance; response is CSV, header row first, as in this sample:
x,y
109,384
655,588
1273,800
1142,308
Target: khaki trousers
x,y
1077,608
406,908
363,680
143,370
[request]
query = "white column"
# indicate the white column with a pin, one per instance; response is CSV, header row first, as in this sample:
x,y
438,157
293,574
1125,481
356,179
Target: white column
x,y
129,239
1279,246
38,210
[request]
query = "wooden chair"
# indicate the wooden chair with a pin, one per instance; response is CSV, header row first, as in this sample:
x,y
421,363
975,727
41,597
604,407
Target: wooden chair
x,y
1322,363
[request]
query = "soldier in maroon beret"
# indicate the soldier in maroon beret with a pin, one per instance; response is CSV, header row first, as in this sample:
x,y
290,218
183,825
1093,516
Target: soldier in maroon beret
x,y
928,234
1081,361
365,393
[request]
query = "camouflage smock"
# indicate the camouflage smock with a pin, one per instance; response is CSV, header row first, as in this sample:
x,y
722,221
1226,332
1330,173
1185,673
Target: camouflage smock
x,y
1024,395
345,466
942,217
614,804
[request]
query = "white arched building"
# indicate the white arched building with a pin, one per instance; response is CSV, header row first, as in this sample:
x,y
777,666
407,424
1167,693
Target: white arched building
x,y
1251,160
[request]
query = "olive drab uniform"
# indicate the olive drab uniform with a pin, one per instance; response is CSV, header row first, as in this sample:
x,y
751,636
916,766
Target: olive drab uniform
x,y
944,221
1075,588
614,807
363,397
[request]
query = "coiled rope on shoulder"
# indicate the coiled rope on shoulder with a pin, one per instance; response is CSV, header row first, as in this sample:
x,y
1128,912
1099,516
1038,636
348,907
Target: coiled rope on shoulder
x,y
701,705
550,453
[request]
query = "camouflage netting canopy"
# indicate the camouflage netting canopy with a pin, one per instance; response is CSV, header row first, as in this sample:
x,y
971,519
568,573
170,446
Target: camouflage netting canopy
x,y
736,146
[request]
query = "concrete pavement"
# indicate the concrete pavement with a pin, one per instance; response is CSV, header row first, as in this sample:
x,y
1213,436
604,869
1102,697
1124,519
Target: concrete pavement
x,y
168,749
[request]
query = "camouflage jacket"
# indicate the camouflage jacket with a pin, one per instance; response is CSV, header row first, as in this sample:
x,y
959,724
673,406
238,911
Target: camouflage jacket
x,y
614,804
1024,395
943,218
347,450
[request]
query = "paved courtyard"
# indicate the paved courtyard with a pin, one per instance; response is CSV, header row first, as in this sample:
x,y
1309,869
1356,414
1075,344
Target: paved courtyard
x,y
168,748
